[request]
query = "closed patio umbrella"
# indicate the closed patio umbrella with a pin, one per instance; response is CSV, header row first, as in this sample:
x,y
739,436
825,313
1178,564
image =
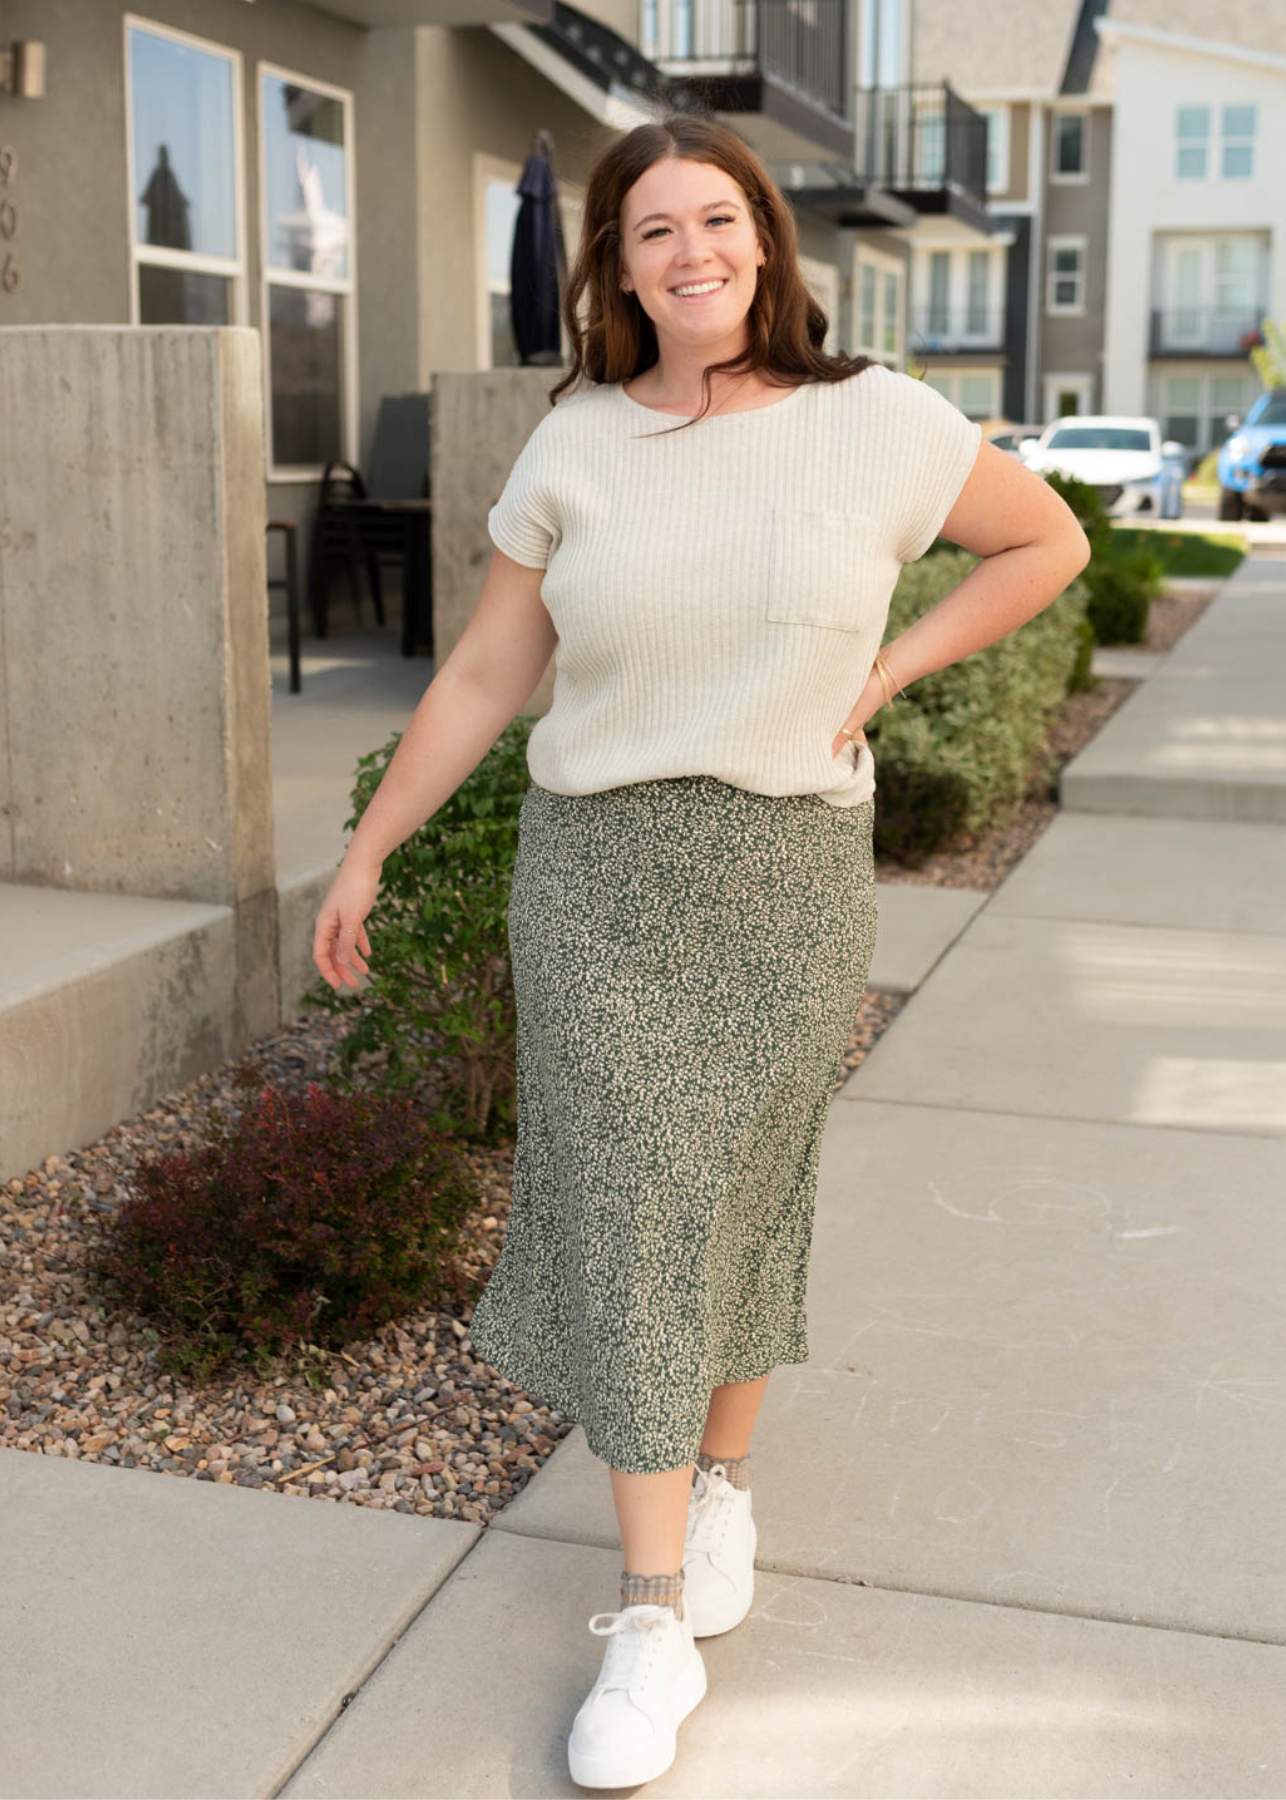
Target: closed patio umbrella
x,y
538,260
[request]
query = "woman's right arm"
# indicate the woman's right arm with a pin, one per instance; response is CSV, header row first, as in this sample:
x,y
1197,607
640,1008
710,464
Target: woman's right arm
x,y
483,685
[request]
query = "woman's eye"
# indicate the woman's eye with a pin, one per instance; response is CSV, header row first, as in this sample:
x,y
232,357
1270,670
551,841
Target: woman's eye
x,y
726,218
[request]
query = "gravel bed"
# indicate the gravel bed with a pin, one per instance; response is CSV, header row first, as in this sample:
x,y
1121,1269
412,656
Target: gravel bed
x,y
409,1420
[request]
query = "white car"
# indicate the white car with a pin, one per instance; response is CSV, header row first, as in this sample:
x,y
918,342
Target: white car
x,y
1124,458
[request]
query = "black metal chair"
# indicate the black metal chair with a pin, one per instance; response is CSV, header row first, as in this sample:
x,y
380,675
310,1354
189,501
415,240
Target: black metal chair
x,y
289,581
362,525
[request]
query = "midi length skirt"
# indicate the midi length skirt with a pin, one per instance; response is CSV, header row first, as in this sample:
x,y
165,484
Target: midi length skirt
x,y
688,962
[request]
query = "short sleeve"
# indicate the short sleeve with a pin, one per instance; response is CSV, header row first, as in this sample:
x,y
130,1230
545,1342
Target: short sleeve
x,y
524,521
937,446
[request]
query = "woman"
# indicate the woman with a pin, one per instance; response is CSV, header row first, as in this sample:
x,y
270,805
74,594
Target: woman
x,y
693,907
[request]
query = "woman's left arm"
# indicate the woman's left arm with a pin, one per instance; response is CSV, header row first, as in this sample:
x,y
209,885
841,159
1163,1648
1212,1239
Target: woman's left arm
x,y
1031,547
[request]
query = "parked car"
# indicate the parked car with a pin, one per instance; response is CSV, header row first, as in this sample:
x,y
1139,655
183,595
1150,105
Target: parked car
x,y
1122,457
1006,434
1251,467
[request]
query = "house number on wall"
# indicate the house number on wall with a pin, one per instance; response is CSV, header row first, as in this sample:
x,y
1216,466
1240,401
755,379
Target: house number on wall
x,y
9,274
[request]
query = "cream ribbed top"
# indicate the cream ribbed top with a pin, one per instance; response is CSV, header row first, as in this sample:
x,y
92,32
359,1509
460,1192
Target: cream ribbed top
x,y
719,594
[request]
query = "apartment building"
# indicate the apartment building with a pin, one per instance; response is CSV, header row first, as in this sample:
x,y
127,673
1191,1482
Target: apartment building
x,y
1044,209
1196,243
1134,167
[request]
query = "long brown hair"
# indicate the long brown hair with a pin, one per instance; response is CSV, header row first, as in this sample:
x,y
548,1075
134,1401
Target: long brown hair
x,y
617,340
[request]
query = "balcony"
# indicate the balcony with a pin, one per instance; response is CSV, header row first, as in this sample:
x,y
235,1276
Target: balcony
x,y
781,64
928,147
1203,330
947,328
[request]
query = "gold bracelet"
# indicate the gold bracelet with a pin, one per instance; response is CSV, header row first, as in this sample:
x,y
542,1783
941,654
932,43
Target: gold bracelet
x,y
879,670
883,669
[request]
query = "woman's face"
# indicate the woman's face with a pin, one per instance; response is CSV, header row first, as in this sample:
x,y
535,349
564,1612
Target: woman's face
x,y
705,234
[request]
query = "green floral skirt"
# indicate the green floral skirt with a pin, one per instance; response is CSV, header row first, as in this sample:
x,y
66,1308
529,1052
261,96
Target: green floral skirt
x,y
688,960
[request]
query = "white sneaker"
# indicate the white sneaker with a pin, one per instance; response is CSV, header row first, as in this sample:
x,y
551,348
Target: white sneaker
x,y
718,1553
652,1677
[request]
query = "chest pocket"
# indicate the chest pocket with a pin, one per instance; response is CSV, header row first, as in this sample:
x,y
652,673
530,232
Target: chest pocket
x,y
827,568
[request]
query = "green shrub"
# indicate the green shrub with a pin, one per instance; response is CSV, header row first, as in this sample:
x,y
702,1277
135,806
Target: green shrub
x,y
309,1220
1121,595
440,988
963,747
1082,676
1121,584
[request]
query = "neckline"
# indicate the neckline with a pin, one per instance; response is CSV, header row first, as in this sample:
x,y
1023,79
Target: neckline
x,y
743,412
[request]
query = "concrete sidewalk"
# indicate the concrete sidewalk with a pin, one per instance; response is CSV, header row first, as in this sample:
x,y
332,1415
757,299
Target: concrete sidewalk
x,y
1021,1527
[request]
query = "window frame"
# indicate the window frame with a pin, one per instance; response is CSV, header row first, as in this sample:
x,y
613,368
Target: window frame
x,y
883,265
998,114
295,474
232,269
1181,144
1237,140
948,382
1066,241
1070,177
957,299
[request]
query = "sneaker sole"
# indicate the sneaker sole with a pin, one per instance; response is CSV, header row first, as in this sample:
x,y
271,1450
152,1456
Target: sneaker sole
x,y
629,1769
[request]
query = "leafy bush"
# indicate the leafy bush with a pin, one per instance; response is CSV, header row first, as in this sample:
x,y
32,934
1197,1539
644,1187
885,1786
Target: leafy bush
x,y
1120,596
308,1220
962,748
440,988
1121,586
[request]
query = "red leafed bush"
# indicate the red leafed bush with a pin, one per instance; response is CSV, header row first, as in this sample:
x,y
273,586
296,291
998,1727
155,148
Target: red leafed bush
x,y
310,1219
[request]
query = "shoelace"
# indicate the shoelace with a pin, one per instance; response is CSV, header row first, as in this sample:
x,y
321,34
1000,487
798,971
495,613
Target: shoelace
x,y
630,1656
709,1516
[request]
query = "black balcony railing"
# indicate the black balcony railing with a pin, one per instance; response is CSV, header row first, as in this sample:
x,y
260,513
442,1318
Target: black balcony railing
x,y
957,328
921,135
801,43
1204,330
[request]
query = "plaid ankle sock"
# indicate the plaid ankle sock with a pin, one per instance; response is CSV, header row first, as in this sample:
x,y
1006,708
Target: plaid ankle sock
x,y
737,1468
656,1590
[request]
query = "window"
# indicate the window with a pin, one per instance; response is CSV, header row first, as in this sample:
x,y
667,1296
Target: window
x,y
501,203
939,290
879,43
1192,133
1212,290
1065,275
1194,409
976,311
976,392
997,118
956,298
866,318
878,321
1238,142
929,155
310,330
183,104
1071,147
892,312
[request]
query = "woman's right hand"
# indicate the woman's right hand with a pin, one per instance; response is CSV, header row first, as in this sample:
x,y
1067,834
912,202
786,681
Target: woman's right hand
x,y
340,943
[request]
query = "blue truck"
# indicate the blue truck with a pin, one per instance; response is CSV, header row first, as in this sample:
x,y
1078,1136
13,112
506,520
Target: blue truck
x,y
1251,469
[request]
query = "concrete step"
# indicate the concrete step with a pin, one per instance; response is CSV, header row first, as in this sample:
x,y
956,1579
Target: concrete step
x,y
106,1001
1203,737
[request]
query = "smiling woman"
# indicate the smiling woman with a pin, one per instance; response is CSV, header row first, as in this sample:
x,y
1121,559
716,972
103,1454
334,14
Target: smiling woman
x,y
693,908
